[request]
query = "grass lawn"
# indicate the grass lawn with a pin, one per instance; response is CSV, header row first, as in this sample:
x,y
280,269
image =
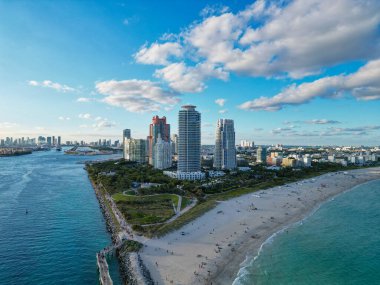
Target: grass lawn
x,y
185,201
143,210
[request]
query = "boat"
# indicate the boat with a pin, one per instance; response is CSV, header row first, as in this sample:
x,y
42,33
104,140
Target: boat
x,y
58,148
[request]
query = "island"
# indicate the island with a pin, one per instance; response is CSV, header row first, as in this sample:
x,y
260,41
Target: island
x,y
14,151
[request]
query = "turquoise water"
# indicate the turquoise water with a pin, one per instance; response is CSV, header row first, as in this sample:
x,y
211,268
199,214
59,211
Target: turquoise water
x,y
338,244
56,242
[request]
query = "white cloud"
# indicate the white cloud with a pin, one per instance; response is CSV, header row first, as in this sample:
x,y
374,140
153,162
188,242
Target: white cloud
x,y
136,95
223,111
85,99
7,125
63,118
98,122
322,122
86,116
329,132
158,54
291,38
211,10
269,38
183,78
220,102
364,84
53,85
103,124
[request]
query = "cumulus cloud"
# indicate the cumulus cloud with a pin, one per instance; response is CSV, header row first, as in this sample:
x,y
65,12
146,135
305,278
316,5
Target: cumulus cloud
x,y
63,118
53,85
183,78
136,95
85,116
220,102
224,111
276,38
96,122
363,84
85,99
103,124
158,54
211,10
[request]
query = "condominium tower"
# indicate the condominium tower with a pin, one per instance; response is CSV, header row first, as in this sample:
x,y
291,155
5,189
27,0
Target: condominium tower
x,y
225,151
126,138
261,155
189,139
157,128
137,150
162,154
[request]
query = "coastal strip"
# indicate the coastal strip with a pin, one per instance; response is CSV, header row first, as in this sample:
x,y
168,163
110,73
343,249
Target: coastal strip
x,y
132,269
212,248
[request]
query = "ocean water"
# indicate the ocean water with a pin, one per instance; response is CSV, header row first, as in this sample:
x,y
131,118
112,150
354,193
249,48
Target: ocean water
x,y
56,242
337,244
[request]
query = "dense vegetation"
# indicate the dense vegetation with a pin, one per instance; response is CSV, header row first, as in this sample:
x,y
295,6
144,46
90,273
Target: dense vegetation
x,y
143,210
117,176
131,246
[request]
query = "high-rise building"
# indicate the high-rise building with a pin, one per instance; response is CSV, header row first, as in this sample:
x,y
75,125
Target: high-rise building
x,y
126,134
261,154
162,154
48,141
137,150
174,144
246,143
126,138
156,128
59,141
225,151
189,139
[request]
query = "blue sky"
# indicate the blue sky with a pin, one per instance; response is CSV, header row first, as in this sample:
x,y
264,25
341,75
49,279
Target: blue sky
x,y
291,72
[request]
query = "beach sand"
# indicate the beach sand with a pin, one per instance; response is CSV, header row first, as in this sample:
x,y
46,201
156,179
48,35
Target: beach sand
x,y
215,245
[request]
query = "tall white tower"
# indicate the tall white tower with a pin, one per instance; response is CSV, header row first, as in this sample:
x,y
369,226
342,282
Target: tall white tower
x,y
225,151
189,139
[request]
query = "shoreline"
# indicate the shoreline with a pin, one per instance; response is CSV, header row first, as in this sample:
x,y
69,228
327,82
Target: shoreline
x,y
216,245
250,256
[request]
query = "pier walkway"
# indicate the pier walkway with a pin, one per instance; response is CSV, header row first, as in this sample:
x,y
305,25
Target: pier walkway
x,y
104,275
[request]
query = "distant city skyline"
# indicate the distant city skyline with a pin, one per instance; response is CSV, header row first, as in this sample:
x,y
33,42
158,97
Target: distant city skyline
x,y
90,71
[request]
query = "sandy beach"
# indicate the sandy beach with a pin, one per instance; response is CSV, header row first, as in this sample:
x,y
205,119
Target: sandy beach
x,y
211,249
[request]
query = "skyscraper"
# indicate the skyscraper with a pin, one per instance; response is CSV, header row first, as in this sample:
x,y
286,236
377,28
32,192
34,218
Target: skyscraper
x,y
261,155
137,150
162,154
156,128
225,151
59,141
126,138
174,144
189,139
126,134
